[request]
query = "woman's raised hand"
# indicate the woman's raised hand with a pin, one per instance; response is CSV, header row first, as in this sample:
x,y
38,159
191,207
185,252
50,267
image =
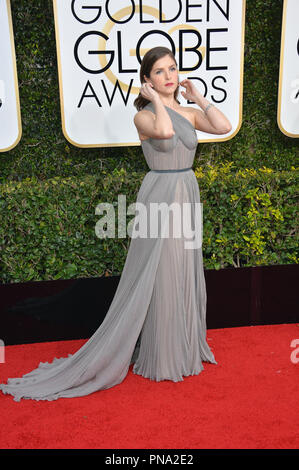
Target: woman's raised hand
x,y
190,93
148,92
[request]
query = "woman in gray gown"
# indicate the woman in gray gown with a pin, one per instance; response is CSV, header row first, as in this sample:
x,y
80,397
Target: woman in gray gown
x,y
157,318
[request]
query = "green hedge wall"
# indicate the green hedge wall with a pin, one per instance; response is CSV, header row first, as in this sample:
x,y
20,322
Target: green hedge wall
x,y
49,189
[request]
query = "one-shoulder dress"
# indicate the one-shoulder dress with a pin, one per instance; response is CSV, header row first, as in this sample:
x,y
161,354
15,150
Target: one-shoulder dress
x,y
157,318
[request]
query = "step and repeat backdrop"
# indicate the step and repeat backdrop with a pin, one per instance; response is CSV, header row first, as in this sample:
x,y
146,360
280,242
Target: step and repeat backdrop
x,y
10,117
100,45
288,99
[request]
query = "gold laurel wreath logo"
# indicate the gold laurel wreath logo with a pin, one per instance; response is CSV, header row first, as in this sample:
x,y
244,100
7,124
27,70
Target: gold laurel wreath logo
x,y
109,26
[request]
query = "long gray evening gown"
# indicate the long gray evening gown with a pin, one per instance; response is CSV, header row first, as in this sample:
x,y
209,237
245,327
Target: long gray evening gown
x,y
157,318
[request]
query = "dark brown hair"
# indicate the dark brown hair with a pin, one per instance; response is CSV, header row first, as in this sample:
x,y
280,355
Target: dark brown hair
x,y
147,64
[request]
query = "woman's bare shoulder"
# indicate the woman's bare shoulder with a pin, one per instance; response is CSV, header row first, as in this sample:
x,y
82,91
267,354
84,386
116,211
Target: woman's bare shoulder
x,y
188,112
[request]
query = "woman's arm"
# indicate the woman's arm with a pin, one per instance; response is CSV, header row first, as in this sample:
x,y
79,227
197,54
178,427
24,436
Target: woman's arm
x,y
158,125
211,119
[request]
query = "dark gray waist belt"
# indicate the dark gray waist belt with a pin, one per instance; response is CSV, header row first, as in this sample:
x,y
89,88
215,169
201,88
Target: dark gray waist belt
x,y
172,171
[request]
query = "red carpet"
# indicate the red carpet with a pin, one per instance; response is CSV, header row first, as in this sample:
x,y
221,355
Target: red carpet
x,y
249,400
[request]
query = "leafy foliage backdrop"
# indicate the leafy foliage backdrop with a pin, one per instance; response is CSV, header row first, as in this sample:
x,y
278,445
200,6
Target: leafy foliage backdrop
x,y
49,189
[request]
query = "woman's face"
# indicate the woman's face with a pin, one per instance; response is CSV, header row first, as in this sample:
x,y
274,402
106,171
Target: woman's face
x,y
164,75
